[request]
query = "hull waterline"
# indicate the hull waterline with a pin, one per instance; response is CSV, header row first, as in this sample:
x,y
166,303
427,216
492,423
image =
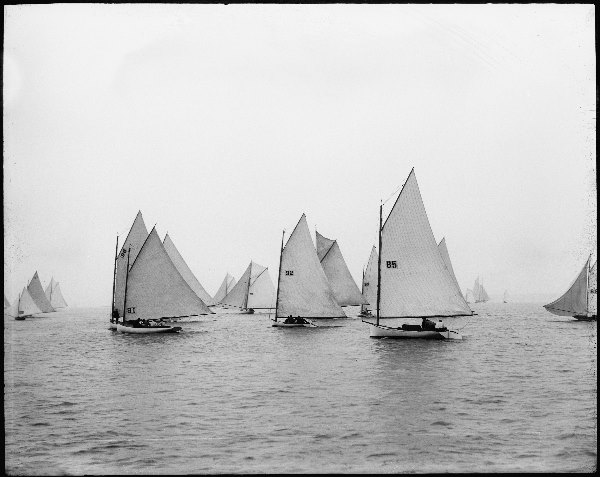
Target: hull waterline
x,y
148,329
376,331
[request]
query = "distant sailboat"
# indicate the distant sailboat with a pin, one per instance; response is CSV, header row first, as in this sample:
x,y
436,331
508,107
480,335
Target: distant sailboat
x,y
413,280
254,290
23,307
580,300
38,295
303,290
156,291
369,285
505,296
6,303
469,298
226,286
54,294
343,285
185,271
479,293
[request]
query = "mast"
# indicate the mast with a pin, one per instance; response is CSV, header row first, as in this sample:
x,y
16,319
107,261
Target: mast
x,y
248,290
587,286
379,262
112,308
279,275
126,276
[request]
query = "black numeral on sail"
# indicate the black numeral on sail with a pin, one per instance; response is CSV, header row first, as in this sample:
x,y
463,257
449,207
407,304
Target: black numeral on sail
x,y
131,310
289,272
391,264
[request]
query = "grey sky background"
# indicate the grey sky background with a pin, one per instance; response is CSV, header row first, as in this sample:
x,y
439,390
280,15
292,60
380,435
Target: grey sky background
x,y
223,124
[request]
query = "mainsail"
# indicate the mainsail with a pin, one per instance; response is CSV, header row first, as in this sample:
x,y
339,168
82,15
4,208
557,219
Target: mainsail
x,y
343,285
575,300
414,280
303,288
6,302
226,285
23,306
54,294
37,294
253,290
369,282
446,257
185,271
134,241
156,289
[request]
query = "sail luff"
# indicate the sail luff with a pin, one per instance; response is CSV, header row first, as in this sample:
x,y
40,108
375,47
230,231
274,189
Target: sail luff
x,y
369,283
261,294
593,290
237,295
38,295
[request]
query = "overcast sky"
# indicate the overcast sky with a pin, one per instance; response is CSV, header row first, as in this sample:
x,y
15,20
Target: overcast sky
x,y
224,123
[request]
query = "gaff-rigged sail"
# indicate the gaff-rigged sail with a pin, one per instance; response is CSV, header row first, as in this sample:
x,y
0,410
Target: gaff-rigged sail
x,y
156,289
134,241
415,281
593,290
343,285
185,271
54,294
24,305
369,282
253,290
226,286
37,294
575,300
303,288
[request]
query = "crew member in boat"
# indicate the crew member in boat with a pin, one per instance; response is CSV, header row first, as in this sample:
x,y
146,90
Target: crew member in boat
x,y
427,324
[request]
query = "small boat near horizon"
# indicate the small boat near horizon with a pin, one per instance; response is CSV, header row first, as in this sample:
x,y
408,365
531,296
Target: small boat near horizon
x,y
54,294
415,282
253,291
479,293
581,299
505,297
226,286
369,285
23,307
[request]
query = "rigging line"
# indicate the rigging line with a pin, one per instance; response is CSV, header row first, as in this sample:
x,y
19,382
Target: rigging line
x,y
393,194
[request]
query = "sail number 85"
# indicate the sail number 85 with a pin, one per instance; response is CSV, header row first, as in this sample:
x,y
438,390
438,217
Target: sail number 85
x,y
391,264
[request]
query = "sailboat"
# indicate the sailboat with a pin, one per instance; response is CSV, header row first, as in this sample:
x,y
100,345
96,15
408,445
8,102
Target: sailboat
x,y
54,294
303,290
254,290
185,271
155,291
443,248
369,284
479,293
226,285
6,303
580,300
505,297
129,251
23,307
344,288
469,296
38,295
413,280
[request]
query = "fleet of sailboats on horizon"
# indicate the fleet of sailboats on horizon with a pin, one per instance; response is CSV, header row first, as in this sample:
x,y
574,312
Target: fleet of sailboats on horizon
x,y
34,300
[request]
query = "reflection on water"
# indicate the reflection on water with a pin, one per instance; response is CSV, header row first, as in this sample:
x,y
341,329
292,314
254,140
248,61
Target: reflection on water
x,y
231,393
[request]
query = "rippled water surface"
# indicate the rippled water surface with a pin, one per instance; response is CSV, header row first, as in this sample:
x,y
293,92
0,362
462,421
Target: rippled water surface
x,y
230,393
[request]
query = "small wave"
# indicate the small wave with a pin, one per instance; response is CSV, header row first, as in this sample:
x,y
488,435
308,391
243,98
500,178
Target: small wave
x,y
383,454
40,424
441,423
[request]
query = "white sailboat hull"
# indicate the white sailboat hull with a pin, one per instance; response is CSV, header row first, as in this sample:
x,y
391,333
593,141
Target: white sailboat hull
x,y
148,330
281,324
378,331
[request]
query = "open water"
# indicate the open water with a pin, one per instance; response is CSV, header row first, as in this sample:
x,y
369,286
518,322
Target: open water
x,y
231,394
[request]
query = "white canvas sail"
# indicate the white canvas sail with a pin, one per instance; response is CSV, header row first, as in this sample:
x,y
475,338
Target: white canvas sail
x,y
185,271
479,293
575,300
6,302
27,305
226,286
593,290
37,294
446,257
369,282
54,294
156,289
135,238
344,287
505,296
303,288
415,281
483,294
469,296
253,290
